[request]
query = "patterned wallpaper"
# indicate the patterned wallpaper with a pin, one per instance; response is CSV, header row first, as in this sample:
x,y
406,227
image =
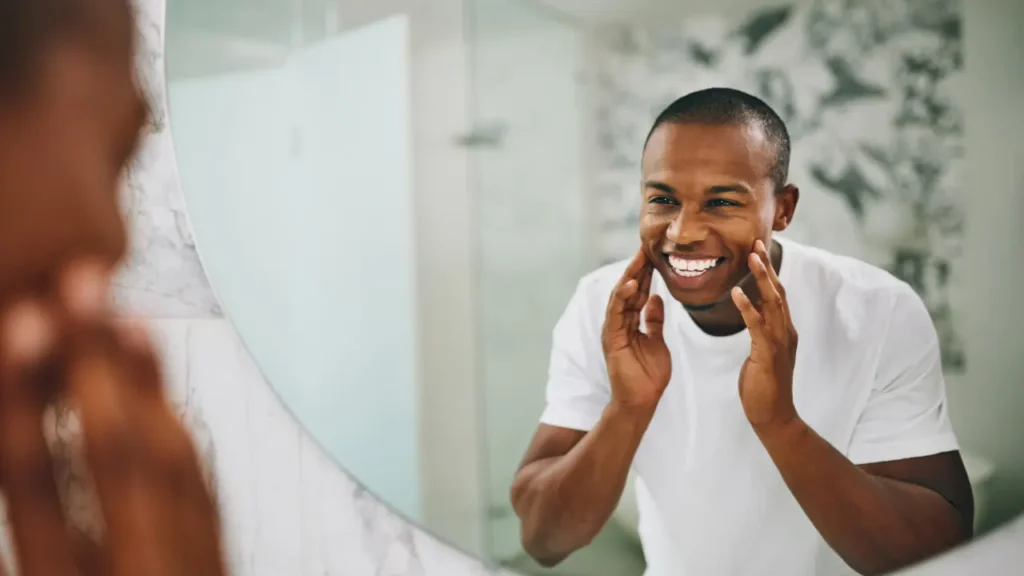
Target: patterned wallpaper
x,y
870,90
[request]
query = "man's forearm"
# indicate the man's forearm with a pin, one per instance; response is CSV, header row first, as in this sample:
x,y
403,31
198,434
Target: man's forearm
x,y
564,501
875,524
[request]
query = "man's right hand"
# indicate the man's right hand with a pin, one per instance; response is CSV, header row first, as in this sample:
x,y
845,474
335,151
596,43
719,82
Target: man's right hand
x,y
561,507
158,515
639,363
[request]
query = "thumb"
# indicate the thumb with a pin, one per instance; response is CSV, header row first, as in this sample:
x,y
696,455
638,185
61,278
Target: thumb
x,y
654,318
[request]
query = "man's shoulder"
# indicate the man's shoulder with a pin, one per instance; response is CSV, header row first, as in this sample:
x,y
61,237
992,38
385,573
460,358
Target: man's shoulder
x,y
829,272
850,294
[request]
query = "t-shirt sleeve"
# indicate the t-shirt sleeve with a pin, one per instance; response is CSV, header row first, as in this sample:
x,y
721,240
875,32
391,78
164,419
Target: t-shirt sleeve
x,y
906,414
577,390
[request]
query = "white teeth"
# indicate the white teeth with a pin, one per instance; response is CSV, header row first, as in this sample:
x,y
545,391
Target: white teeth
x,y
690,268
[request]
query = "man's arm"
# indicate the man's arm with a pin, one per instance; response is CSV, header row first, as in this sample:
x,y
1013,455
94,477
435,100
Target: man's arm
x,y
571,481
877,517
910,497
575,469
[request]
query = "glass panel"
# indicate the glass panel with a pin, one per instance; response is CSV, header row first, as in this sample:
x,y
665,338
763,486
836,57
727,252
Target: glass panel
x,y
531,223
293,148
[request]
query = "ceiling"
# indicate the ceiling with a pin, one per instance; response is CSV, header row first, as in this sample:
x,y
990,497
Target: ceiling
x,y
211,36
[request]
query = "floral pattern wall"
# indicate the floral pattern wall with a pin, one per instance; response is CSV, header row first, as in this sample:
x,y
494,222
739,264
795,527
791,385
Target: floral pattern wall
x,y
870,91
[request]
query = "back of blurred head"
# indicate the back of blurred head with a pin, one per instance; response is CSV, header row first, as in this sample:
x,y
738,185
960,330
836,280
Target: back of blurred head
x,y
71,113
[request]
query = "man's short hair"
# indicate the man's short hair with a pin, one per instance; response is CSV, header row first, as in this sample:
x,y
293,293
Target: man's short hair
x,y
722,106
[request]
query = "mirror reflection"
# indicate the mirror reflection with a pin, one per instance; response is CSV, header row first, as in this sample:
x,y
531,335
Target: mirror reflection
x,y
626,288
271,136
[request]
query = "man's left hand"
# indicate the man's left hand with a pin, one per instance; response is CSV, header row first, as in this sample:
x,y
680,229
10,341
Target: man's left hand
x,y
766,380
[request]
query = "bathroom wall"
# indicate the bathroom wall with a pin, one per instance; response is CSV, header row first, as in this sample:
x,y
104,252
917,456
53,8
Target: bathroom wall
x,y
881,107
986,402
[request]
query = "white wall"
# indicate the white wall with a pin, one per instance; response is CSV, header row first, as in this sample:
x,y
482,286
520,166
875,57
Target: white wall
x,y
298,184
987,406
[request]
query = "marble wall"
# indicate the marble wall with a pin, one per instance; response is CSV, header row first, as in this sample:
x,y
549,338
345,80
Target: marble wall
x,y
288,508
871,91
163,276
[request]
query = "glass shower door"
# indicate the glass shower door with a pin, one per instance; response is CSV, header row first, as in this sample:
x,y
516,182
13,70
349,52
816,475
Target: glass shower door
x,y
531,225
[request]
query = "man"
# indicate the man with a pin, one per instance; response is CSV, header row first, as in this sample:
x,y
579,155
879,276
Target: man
x,y
753,456
70,117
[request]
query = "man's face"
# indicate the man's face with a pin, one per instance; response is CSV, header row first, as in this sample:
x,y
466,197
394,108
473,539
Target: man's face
x,y
63,145
708,194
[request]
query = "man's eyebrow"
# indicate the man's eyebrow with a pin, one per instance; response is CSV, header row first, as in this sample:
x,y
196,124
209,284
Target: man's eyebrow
x,y
729,188
657,185
737,188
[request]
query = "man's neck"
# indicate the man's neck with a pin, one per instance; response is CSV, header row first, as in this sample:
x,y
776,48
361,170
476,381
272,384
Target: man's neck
x,y
724,318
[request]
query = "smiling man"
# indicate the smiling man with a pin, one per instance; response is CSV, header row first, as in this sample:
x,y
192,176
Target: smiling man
x,y
753,456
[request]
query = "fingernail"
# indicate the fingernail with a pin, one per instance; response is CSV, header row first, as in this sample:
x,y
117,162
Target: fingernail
x,y
28,332
85,290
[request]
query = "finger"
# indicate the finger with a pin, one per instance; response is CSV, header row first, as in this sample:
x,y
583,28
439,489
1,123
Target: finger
x,y
114,432
634,269
639,300
773,275
635,266
654,318
83,292
29,336
101,389
616,318
194,522
770,305
761,250
644,288
751,317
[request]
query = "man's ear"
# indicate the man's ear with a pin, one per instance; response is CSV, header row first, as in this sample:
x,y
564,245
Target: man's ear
x,y
786,200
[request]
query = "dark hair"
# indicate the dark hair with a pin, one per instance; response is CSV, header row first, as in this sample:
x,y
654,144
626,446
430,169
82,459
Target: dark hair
x,y
29,27
721,106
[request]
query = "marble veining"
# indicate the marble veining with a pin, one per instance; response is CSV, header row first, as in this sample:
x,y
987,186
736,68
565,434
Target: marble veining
x,y
288,508
162,276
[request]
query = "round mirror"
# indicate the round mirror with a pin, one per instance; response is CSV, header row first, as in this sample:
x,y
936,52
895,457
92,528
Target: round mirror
x,y
396,203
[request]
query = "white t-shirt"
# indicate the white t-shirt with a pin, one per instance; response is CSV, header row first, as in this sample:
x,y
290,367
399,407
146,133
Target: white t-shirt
x,y
868,379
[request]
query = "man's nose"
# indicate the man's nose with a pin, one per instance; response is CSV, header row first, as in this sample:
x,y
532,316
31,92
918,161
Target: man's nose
x,y
687,228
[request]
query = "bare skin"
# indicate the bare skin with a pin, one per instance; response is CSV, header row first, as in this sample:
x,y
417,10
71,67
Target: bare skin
x,y
717,200
159,517
71,113
554,494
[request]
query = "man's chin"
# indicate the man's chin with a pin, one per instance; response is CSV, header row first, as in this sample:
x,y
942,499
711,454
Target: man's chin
x,y
701,307
695,303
